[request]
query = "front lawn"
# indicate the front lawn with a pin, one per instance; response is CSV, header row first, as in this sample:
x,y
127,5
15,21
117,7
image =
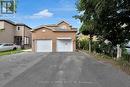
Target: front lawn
x,y
10,52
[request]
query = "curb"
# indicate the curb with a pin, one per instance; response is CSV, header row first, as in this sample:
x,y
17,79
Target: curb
x,y
90,56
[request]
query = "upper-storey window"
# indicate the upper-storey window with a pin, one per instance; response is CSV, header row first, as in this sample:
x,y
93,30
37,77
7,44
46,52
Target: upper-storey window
x,y
63,27
2,28
18,28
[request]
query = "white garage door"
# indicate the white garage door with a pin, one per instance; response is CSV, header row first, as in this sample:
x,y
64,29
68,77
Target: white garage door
x,y
64,45
44,45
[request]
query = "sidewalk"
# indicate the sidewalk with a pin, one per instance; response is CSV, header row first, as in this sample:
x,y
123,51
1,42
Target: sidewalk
x,y
27,50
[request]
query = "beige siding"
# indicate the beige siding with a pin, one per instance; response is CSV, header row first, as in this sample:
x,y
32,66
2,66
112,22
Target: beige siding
x,y
7,35
67,26
1,24
28,34
24,32
19,32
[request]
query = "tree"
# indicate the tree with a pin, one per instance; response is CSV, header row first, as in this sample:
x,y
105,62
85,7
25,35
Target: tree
x,y
88,29
111,19
13,6
114,22
87,17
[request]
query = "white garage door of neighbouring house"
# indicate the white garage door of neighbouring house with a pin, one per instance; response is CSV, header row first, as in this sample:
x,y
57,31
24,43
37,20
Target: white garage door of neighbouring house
x,y
44,46
64,45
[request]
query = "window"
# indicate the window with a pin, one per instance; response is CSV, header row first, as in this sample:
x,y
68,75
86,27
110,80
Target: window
x,y
6,44
1,30
18,28
63,27
26,40
10,44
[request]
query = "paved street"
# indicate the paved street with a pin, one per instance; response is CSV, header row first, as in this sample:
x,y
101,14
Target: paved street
x,y
13,65
70,70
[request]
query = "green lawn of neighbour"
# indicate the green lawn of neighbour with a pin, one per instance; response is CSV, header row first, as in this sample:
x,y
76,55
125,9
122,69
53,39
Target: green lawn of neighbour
x,y
10,52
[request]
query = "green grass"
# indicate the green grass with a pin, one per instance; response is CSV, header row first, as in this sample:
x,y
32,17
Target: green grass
x,y
10,52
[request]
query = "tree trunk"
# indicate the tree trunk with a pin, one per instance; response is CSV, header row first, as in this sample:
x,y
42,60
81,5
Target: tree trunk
x,y
119,52
90,44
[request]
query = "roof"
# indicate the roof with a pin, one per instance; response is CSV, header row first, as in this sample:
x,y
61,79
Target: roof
x,y
51,25
15,24
42,26
61,29
21,24
54,27
63,22
8,21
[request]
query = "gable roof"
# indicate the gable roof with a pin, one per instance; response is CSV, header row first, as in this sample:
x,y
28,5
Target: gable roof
x,y
55,27
63,22
42,26
15,24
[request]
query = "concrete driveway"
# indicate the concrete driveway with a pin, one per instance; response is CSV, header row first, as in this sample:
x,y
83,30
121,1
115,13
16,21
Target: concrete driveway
x,y
70,70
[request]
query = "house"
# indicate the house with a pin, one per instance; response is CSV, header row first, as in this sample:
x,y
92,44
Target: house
x,y
19,34
59,37
86,37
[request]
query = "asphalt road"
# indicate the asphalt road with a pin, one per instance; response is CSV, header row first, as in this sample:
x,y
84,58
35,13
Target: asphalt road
x,y
70,70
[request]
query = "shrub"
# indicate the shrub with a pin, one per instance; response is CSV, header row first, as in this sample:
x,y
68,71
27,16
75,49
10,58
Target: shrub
x,y
84,44
103,48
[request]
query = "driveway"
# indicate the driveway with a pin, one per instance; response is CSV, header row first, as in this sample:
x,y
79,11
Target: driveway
x,y
13,65
70,70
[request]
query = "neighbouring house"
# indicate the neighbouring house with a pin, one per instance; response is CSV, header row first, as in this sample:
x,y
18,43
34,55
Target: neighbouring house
x,y
85,37
59,37
19,34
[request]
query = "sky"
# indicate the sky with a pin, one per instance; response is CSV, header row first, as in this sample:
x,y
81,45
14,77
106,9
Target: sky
x,y
40,12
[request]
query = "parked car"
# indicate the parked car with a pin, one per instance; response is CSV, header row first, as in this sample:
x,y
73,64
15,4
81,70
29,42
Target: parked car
x,y
127,49
7,46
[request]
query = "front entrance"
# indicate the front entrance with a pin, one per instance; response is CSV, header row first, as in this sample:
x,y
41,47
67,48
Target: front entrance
x,y
18,40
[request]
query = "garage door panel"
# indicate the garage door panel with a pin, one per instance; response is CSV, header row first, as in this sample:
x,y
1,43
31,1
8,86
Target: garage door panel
x,y
44,45
64,46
